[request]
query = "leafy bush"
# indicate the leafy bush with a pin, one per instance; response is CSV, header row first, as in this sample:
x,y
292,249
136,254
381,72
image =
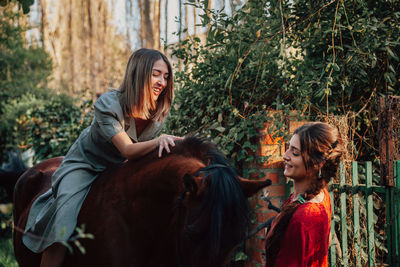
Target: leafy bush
x,y
49,126
24,70
321,58
226,85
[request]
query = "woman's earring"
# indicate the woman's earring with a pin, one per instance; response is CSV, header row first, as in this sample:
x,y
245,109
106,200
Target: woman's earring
x,y
320,174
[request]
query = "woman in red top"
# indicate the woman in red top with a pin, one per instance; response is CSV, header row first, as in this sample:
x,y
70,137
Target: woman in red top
x,y
299,235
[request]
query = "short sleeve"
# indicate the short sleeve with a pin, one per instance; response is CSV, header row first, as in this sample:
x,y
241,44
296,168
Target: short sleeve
x,y
108,114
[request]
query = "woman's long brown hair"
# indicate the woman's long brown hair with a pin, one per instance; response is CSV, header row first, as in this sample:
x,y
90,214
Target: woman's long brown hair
x,y
319,143
136,99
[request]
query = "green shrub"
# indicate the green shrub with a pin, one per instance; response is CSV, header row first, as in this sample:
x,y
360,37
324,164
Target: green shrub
x,y
319,58
48,126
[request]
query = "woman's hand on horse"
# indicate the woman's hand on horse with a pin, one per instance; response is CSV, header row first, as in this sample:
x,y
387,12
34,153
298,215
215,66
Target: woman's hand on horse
x,y
164,141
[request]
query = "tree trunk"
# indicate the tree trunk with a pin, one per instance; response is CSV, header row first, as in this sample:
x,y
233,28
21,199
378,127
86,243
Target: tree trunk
x,y
156,25
90,35
142,23
186,21
43,25
180,21
194,21
104,49
146,24
209,4
70,48
128,15
166,21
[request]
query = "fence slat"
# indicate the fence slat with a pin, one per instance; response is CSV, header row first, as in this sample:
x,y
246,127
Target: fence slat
x,y
343,214
356,211
388,224
396,212
370,214
333,239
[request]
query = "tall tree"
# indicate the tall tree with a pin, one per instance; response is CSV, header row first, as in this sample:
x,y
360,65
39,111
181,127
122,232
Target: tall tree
x,y
71,62
146,27
156,24
186,21
43,24
128,15
88,54
90,35
180,20
166,21
194,21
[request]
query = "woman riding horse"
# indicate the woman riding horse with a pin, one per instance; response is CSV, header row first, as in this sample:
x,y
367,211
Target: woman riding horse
x,y
188,208
125,125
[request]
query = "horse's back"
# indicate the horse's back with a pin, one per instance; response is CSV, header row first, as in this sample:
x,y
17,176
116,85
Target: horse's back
x,y
32,183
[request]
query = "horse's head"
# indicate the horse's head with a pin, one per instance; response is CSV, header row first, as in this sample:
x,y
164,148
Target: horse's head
x,y
215,213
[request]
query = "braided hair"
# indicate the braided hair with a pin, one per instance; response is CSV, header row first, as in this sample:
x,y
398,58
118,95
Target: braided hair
x,y
320,144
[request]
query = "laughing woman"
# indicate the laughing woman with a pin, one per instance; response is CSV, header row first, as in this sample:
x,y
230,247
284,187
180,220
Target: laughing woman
x,y
125,125
299,235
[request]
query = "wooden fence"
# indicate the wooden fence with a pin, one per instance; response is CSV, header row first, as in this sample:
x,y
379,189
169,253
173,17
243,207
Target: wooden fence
x,y
350,207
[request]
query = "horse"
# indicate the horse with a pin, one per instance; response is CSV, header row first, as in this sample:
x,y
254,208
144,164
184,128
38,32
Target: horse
x,y
188,208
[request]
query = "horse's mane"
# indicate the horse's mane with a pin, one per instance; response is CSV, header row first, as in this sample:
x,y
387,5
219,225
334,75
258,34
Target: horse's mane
x,y
225,209
222,218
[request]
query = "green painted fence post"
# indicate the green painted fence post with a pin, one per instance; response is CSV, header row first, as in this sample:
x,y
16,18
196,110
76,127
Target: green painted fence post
x,y
343,213
333,241
356,213
388,224
370,214
396,213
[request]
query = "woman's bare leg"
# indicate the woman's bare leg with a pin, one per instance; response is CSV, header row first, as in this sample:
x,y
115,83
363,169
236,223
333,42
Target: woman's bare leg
x,y
53,256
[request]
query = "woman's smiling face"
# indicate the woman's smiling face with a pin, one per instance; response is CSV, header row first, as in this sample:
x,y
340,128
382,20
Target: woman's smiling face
x,y
294,163
159,78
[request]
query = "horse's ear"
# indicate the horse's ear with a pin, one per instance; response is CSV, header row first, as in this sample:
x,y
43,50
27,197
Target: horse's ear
x,y
190,183
250,187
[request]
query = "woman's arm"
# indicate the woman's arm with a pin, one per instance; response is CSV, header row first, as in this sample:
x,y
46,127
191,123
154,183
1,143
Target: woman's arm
x,y
132,150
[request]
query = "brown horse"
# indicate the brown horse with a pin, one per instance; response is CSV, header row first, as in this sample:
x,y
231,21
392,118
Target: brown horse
x,y
188,208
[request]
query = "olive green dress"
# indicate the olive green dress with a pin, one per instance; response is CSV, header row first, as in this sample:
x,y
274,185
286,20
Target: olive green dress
x,y
53,215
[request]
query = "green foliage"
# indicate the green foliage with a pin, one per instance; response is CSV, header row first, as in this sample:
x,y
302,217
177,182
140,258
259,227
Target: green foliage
x,y
240,256
350,57
317,57
24,70
6,247
74,240
226,86
48,125
7,258
24,4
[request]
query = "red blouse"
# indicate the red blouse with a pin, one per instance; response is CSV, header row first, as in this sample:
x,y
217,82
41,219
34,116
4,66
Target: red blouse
x,y
306,241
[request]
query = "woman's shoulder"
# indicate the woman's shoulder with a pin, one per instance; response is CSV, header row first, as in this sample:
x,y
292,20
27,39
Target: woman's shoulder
x,y
108,99
109,103
318,211
112,94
